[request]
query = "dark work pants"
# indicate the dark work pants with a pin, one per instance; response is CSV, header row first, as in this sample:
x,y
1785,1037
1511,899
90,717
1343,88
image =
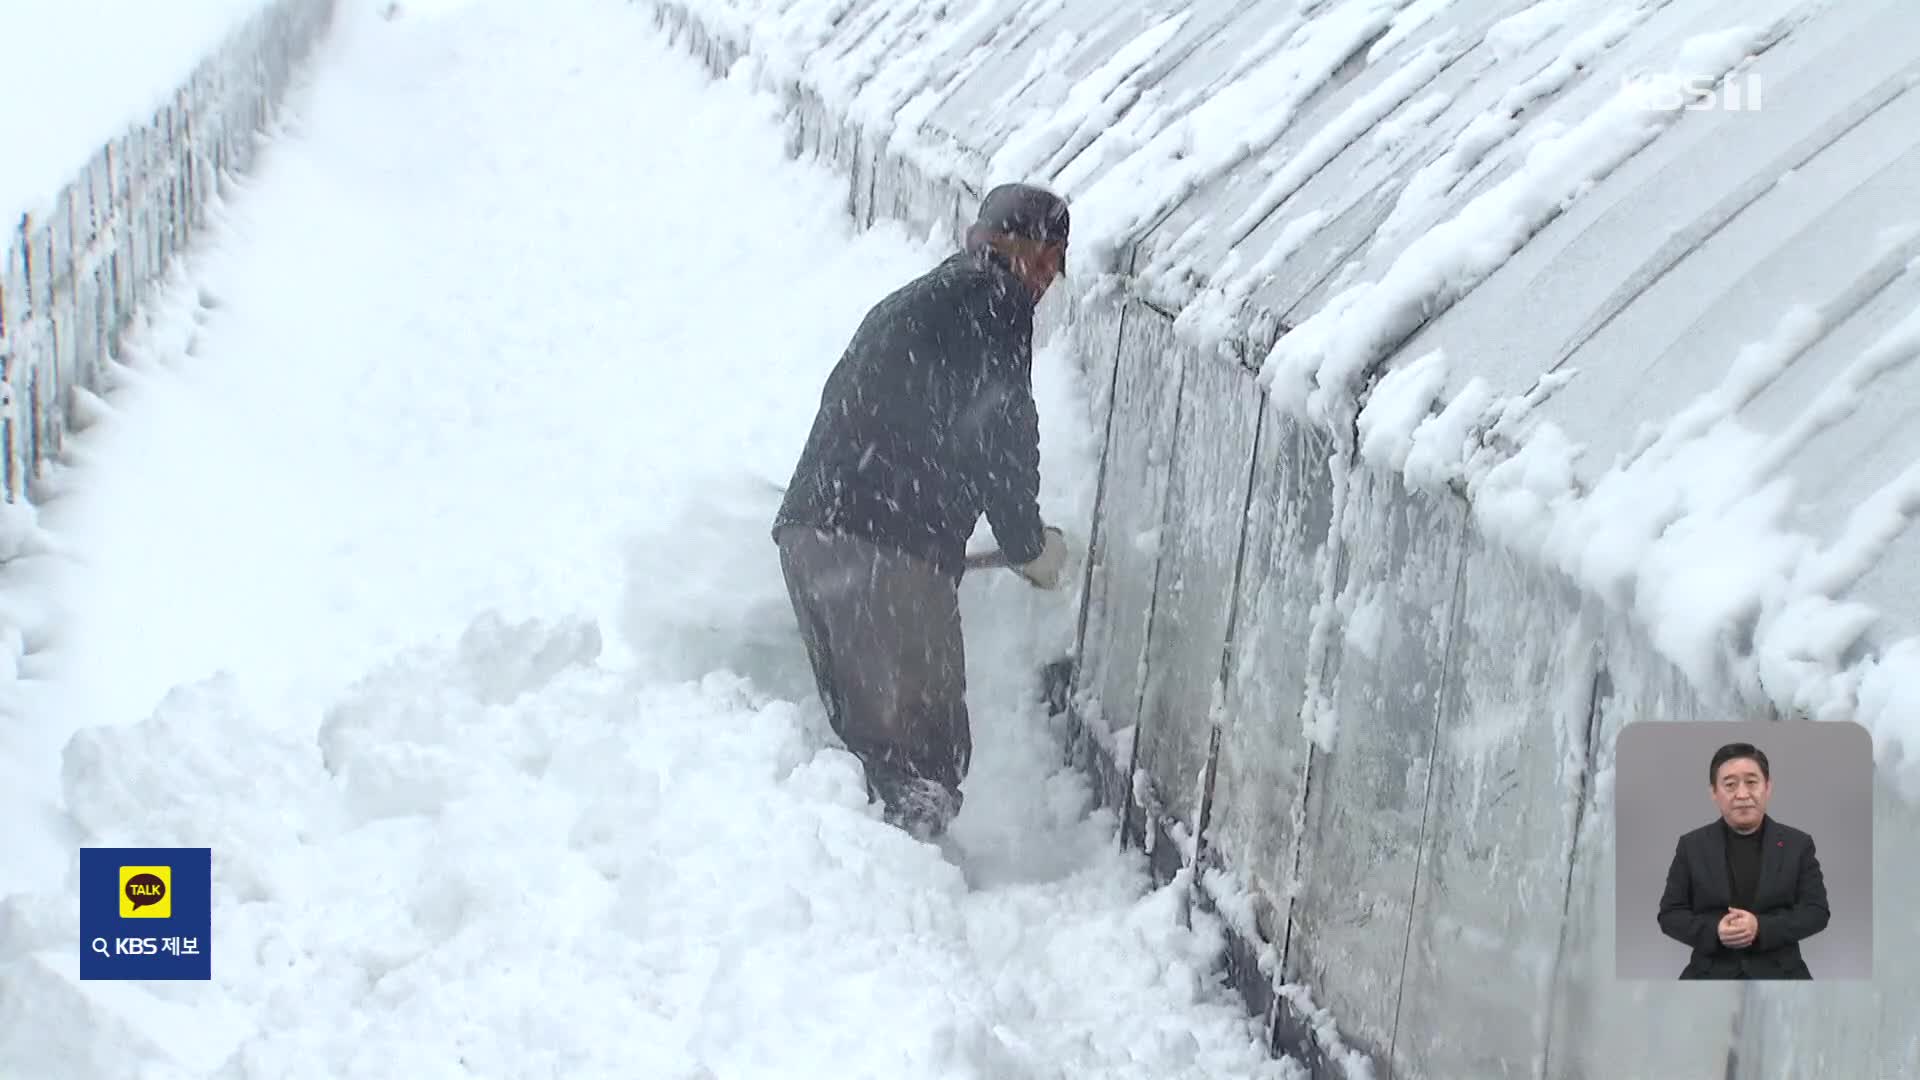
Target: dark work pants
x,y
883,632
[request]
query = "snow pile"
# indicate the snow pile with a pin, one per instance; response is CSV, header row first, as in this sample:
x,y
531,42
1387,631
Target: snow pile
x,y
570,871
87,71
474,668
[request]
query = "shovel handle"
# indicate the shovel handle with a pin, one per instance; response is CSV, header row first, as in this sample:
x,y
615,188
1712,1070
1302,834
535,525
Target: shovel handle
x,y
995,558
986,560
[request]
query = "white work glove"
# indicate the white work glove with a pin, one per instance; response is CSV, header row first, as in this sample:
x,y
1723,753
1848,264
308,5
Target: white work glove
x,y
1045,571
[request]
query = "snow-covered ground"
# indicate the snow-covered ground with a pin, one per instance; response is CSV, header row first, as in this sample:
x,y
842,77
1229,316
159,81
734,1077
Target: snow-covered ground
x,y
418,565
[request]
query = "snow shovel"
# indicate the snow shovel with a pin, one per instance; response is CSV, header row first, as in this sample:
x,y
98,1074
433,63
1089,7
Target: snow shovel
x,y
1056,676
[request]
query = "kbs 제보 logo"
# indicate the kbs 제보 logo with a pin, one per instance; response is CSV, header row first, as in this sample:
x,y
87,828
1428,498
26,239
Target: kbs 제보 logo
x,y
146,913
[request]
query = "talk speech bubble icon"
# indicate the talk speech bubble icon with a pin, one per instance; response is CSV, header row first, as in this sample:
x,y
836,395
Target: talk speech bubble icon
x,y
145,890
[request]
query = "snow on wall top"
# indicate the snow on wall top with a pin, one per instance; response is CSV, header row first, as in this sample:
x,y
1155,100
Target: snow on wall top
x,y
1641,278
81,73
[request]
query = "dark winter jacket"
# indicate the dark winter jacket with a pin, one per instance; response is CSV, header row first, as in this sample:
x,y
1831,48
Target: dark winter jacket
x,y
1790,901
928,421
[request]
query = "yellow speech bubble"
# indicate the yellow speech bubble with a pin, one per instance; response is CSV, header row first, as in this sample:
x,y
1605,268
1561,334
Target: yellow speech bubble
x,y
146,892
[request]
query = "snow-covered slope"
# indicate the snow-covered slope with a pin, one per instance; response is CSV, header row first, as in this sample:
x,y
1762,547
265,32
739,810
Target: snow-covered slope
x,y
1583,338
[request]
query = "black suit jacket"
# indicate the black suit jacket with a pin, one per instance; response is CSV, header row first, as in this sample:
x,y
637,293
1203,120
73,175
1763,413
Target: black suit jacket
x,y
1790,901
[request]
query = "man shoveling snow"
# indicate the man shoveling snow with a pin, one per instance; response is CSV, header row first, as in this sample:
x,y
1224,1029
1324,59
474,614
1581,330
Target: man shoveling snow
x,y
927,422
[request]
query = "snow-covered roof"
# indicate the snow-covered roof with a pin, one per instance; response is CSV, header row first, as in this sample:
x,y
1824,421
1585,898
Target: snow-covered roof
x,y
1638,278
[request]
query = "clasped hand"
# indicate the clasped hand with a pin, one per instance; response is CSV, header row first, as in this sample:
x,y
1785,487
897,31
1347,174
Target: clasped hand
x,y
1738,928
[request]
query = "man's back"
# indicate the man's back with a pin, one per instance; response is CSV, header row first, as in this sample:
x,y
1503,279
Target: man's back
x,y
928,421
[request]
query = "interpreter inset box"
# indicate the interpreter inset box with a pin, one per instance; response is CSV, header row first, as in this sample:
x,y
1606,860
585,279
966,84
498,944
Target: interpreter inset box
x,y
1743,850
146,913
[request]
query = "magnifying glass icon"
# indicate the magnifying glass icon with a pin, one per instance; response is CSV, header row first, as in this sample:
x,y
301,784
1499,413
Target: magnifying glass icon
x,y
100,946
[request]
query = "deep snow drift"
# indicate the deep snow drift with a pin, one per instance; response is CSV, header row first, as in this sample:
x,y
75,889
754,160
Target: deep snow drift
x,y
419,565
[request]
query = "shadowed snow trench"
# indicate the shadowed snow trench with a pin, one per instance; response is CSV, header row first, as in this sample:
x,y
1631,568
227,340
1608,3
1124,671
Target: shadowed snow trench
x,y
419,567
